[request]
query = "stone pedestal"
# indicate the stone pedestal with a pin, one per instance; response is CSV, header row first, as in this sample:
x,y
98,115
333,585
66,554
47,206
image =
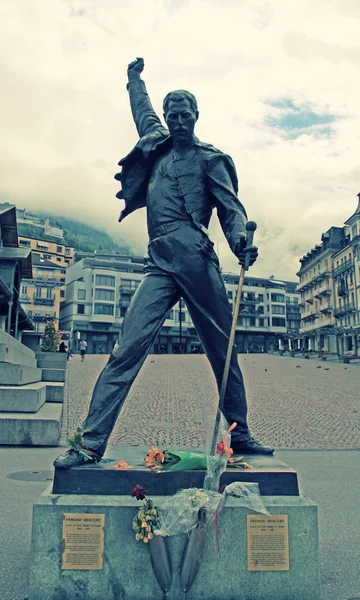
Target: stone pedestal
x,y
127,573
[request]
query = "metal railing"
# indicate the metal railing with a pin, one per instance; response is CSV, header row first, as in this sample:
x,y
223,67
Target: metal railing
x,y
347,264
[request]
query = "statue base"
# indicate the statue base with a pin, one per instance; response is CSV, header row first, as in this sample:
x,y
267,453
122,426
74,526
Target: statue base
x,y
274,477
127,572
230,567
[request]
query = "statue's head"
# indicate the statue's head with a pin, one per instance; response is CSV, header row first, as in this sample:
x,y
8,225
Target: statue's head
x,y
180,114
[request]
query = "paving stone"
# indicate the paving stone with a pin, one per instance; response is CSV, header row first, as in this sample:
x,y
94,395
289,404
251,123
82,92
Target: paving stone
x,y
173,401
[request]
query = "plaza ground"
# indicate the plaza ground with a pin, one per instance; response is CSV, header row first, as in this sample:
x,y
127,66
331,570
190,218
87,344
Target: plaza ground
x,y
310,414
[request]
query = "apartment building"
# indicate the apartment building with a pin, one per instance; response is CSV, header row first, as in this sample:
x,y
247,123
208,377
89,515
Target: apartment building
x,y
41,295
329,290
100,286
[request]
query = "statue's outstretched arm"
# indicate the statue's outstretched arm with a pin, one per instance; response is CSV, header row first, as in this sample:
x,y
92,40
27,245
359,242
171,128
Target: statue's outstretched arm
x,y
146,119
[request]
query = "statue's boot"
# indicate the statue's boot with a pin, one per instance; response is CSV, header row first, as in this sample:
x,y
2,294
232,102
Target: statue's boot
x,y
250,446
72,458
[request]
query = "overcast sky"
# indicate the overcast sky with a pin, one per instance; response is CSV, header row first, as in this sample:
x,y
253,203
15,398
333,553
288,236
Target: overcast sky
x,y
278,87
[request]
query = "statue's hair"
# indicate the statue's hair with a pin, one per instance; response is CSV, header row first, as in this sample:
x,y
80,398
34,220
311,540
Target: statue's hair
x,y
177,96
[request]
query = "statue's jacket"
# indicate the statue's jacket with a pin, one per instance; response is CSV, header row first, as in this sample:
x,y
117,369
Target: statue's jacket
x,y
209,182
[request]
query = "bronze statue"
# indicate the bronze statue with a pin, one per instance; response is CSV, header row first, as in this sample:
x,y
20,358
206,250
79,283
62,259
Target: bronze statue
x,y
180,180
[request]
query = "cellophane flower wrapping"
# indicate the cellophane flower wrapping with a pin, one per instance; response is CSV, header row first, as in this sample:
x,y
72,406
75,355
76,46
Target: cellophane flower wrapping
x,y
180,513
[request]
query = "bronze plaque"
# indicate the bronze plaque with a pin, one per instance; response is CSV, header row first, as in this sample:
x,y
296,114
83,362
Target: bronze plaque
x,y
82,542
268,542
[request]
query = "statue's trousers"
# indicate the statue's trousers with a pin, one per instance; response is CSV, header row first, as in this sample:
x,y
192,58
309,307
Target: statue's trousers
x,y
181,263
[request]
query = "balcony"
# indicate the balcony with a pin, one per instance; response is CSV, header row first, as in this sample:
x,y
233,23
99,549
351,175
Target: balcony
x,y
124,303
320,276
249,301
343,310
47,317
327,309
25,298
49,300
309,300
347,265
125,288
325,292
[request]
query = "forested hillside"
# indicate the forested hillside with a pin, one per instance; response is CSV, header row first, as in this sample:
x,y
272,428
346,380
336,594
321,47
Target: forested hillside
x,y
83,238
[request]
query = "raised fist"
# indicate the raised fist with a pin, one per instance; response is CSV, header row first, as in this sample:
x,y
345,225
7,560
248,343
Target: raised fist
x,y
135,68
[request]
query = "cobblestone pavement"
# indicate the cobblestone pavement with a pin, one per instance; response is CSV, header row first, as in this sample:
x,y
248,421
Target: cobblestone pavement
x,y
293,403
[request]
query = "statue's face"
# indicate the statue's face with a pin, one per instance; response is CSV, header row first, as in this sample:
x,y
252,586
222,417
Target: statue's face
x,y
180,119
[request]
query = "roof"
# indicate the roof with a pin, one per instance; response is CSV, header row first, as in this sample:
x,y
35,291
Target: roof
x,y
8,224
41,261
4,290
357,212
24,321
21,254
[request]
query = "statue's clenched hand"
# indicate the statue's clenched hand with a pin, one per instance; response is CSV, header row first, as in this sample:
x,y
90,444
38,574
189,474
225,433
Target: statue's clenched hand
x,y
135,68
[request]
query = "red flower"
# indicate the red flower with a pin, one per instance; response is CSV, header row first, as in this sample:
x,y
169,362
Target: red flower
x,y
138,492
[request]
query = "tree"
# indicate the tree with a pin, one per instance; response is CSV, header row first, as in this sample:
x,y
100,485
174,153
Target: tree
x,y
51,338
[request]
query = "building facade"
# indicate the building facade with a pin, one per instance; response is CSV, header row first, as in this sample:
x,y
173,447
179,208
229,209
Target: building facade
x,y
330,291
99,289
41,295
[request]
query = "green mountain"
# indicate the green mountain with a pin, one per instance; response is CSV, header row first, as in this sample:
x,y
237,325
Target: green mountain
x,y
82,237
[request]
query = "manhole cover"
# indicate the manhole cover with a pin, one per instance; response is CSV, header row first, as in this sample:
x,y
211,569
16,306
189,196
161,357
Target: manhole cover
x,y
32,475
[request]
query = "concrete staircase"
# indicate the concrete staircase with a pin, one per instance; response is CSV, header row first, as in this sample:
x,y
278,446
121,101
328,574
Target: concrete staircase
x,y
32,391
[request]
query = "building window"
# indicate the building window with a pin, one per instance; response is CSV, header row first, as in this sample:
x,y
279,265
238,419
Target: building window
x,y
252,322
59,259
81,309
261,322
24,290
170,315
277,310
261,297
123,310
25,243
59,249
49,292
108,295
81,294
106,280
277,298
42,247
278,322
67,251
230,295
62,293
104,309
38,292
260,310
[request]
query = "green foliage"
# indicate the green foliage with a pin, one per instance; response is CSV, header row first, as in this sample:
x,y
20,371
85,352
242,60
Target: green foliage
x,y
51,338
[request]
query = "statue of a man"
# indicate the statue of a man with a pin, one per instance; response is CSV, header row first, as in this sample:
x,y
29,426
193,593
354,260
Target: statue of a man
x,y
180,180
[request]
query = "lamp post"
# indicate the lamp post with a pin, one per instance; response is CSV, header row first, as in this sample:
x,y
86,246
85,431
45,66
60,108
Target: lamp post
x,y
180,326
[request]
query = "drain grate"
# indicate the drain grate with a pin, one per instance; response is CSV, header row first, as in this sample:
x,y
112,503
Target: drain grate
x,y
32,475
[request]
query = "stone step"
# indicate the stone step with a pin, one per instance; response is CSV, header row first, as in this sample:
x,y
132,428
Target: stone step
x,y
40,429
11,374
46,363
52,360
22,399
55,391
53,374
13,351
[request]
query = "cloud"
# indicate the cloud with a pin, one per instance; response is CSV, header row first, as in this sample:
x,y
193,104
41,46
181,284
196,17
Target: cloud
x,y
277,84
